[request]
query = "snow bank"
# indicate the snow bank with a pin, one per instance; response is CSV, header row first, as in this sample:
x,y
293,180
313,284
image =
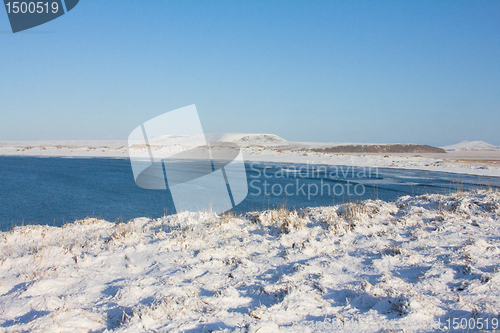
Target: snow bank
x,y
359,267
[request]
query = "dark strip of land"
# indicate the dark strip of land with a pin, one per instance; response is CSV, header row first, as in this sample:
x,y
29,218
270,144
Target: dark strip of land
x,y
386,148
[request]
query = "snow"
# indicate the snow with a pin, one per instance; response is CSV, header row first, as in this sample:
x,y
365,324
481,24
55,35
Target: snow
x,y
248,139
471,163
470,145
242,139
371,266
268,148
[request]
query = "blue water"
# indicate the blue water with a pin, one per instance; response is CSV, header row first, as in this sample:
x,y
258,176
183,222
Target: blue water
x,y
55,190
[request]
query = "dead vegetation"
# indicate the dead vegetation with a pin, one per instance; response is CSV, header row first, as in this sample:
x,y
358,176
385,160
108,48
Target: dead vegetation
x,y
286,220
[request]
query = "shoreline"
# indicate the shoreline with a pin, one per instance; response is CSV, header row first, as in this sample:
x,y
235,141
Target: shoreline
x,y
453,172
478,163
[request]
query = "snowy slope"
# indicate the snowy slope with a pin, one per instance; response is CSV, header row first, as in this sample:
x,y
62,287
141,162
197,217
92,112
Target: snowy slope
x,y
248,139
471,145
242,139
368,267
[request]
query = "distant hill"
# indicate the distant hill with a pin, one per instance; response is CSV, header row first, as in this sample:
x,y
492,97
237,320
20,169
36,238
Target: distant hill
x,y
247,139
241,139
380,148
272,140
471,146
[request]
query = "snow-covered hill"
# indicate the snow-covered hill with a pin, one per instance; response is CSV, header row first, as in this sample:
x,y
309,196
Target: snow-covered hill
x,y
242,139
372,266
248,139
471,146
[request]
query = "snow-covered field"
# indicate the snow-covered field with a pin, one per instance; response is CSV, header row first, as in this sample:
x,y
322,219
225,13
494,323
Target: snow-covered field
x,y
372,266
475,158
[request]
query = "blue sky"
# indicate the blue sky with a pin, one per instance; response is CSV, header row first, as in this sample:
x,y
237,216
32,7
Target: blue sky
x,y
333,71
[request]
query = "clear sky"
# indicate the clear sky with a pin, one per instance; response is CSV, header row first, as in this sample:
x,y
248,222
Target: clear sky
x,y
332,71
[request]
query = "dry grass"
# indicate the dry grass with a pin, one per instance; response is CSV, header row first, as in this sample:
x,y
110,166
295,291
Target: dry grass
x,y
351,212
287,220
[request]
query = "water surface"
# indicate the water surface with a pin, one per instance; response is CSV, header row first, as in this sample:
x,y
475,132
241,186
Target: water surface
x,y
55,190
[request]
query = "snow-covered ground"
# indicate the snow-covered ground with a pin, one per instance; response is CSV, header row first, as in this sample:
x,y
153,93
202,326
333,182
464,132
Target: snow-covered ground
x,y
271,148
372,266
